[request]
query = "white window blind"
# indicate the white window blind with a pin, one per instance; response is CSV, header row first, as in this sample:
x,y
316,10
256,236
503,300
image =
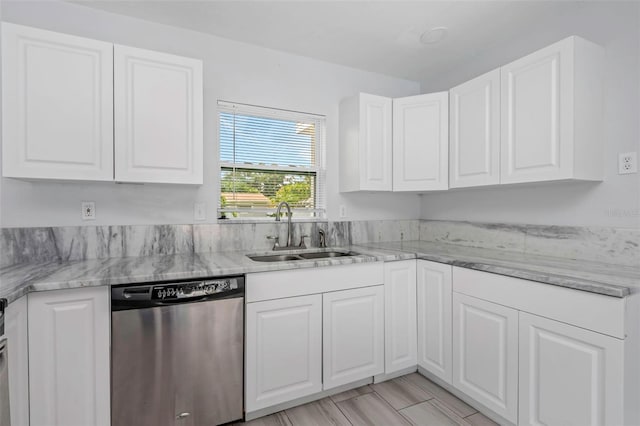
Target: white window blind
x,y
267,156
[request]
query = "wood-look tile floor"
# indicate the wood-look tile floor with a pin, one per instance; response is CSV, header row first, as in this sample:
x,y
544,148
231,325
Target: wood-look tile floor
x,y
407,400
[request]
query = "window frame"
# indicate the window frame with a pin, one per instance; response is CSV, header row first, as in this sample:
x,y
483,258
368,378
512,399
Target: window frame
x,y
317,213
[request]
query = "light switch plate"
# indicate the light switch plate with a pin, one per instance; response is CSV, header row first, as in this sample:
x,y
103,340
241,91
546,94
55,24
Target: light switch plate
x,y
88,210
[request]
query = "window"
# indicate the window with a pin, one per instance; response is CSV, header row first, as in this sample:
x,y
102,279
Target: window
x,y
267,156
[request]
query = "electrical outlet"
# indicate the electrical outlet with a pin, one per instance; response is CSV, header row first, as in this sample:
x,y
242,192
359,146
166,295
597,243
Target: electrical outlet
x,y
200,211
628,163
343,211
88,210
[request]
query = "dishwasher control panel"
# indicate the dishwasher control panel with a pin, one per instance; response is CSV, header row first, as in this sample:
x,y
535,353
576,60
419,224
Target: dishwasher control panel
x,y
162,293
194,289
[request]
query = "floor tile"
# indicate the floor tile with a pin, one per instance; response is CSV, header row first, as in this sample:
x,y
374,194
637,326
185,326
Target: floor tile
x,y
369,410
351,393
429,414
277,419
480,419
318,413
401,393
456,405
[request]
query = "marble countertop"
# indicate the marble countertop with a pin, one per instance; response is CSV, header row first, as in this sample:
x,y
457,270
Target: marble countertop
x,y
18,280
602,278
606,279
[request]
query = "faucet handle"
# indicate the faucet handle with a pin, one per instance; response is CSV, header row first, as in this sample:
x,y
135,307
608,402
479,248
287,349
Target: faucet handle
x,y
275,239
302,244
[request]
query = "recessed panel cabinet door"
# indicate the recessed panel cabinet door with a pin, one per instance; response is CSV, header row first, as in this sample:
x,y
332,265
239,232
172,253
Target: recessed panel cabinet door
x,y
69,380
284,350
474,120
353,335
421,142
57,105
400,315
537,115
485,353
434,318
375,143
158,117
18,338
569,375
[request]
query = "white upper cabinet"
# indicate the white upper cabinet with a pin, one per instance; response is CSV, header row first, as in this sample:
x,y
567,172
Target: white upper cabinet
x,y
552,114
158,117
421,142
365,143
57,105
474,144
62,92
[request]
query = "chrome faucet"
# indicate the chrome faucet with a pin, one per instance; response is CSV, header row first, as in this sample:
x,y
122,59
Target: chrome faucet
x,y
289,226
323,238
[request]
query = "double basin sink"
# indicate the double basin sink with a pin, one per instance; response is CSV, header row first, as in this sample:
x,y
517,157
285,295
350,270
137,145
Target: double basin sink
x,y
301,256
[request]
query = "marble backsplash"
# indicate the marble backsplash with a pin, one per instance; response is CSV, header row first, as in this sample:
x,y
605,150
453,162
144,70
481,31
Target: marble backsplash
x,y
20,245
598,244
618,246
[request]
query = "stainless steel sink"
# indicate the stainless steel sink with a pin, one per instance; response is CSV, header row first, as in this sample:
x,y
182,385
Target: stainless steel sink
x,y
275,258
300,256
324,254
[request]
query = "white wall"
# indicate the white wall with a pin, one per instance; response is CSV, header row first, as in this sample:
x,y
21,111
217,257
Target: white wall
x,y
235,72
614,202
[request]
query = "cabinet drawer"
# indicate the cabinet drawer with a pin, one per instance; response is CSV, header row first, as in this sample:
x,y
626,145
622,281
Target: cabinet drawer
x,y
299,282
604,314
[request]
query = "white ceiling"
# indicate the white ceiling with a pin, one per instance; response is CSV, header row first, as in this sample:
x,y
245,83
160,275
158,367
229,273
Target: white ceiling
x,y
378,36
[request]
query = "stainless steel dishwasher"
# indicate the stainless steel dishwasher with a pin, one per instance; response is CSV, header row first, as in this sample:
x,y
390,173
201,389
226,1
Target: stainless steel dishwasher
x,y
177,353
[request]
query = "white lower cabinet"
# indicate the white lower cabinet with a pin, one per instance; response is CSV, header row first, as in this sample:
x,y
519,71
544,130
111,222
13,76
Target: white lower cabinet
x,y
69,381
400,343
283,352
485,353
353,335
434,318
569,375
17,337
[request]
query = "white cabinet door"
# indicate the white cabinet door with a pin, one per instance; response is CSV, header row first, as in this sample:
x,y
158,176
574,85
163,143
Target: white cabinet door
x,y
375,142
569,375
400,316
365,143
474,145
421,142
353,335
284,349
57,105
485,353
158,117
434,318
17,335
69,341
552,114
